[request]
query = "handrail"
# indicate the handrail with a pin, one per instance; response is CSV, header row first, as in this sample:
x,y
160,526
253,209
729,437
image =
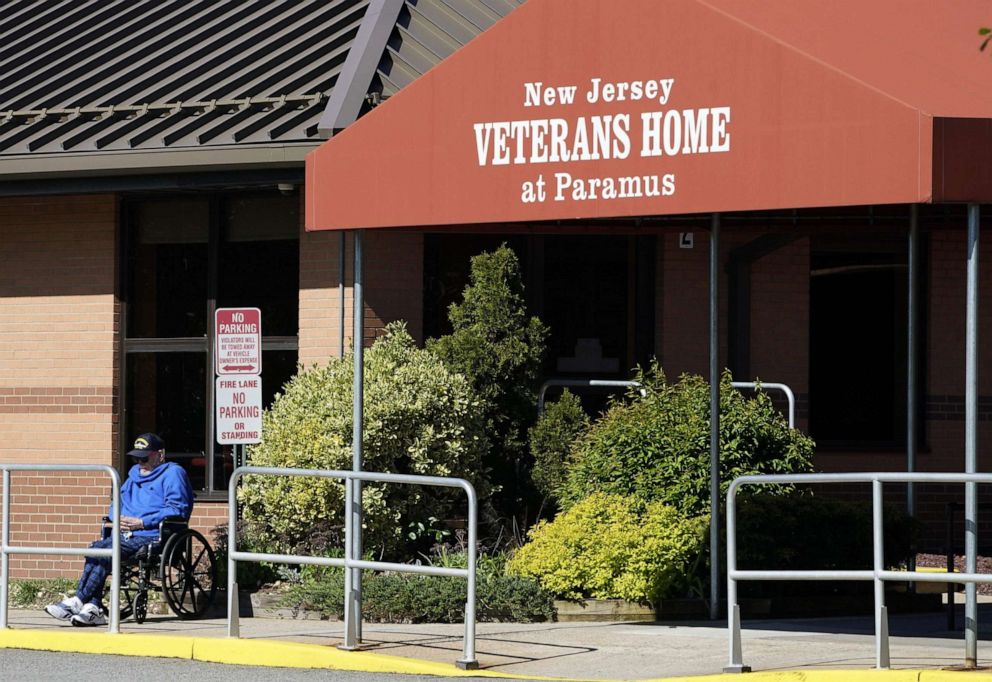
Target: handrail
x,y
878,574
761,385
114,552
609,383
468,660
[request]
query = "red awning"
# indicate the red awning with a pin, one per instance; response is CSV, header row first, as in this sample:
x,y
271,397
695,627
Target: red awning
x,y
610,108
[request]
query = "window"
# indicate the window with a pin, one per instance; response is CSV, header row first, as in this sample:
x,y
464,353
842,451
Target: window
x,y
185,257
595,293
858,334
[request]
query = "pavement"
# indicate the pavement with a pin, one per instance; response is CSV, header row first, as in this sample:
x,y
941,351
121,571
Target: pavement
x,y
799,649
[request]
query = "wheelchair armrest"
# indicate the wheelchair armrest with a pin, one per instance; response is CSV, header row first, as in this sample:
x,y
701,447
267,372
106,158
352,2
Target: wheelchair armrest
x,y
170,525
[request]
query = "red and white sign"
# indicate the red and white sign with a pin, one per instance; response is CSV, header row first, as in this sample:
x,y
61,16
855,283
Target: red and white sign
x,y
239,341
239,410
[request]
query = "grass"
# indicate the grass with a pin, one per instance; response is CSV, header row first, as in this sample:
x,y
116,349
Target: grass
x,y
37,593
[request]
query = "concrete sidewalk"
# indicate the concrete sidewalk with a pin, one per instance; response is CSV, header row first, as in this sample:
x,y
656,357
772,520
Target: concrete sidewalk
x,y
609,651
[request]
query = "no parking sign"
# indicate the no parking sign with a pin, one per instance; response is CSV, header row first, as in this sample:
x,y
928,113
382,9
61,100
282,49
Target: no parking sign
x,y
238,365
239,341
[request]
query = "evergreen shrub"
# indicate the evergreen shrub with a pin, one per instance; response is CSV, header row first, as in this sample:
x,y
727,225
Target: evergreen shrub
x,y
499,348
805,531
407,598
551,440
420,418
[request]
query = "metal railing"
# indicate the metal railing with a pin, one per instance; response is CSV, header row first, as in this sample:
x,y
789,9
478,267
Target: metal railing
x,y
789,395
877,574
468,660
607,383
114,552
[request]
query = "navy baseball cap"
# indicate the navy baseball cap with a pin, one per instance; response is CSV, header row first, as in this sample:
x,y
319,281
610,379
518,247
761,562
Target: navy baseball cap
x,y
145,444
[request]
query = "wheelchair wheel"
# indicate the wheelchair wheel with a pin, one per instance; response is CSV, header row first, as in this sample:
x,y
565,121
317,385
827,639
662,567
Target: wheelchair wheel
x,y
130,589
189,574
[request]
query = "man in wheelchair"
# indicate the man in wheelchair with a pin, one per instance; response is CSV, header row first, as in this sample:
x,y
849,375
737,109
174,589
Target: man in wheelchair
x,y
154,490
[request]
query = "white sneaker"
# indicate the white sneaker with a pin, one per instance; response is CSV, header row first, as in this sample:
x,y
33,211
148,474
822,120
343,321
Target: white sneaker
x,y
65,609
90,615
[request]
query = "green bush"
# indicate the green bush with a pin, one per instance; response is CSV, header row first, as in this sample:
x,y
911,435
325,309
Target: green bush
x,y
803,531
408,598
420,418
499,348
608,546
657,447
551,439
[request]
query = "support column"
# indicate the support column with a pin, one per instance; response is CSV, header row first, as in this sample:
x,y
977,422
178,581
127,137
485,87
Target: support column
x,y
341,264
353,489
714,419
911,361
971,443
358,424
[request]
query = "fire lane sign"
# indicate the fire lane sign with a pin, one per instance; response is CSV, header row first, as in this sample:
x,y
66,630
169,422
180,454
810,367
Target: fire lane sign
x,y
239,341
239,409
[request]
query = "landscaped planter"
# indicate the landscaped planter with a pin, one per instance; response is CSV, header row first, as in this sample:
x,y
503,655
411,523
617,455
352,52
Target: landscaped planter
x,y
667,609
603,610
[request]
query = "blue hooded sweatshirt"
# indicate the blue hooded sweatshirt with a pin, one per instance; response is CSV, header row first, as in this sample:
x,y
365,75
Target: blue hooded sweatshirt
x,y
164,491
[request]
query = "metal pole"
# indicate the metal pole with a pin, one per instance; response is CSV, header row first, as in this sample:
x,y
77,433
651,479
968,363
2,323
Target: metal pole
x,y
233,606
468,660
350,634
911,358
971,443
789,395
357,429
341,264
714,420
736,664
881,615
115,560
5,566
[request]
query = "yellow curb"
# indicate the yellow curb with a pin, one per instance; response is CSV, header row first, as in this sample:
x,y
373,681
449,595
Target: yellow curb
x,y
844,675
268,653
254,652
89,642
297,655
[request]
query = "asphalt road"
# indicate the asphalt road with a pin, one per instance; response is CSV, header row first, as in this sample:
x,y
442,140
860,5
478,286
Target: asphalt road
x,y
43,666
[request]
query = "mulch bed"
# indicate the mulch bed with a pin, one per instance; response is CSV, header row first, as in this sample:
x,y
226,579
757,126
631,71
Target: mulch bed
x,y
940,561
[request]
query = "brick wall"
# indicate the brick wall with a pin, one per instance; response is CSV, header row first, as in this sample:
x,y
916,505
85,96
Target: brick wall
x,y
58,364
780,322
682,305
393,274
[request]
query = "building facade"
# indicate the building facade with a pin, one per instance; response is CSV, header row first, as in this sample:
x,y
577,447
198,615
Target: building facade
x,y
152,170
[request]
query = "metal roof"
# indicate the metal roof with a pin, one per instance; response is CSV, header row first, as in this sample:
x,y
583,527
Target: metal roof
x,y
428,31
198,84
105,75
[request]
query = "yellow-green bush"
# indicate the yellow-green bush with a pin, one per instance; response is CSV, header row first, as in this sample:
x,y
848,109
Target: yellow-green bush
x,y
420,418
608,546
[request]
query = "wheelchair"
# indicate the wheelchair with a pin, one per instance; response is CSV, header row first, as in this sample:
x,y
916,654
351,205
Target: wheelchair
x,y
181,565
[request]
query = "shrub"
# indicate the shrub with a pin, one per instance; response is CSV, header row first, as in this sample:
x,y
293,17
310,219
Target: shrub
x,y
499,348
551,440
420,418
608,546
407,598
657,447
803,531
